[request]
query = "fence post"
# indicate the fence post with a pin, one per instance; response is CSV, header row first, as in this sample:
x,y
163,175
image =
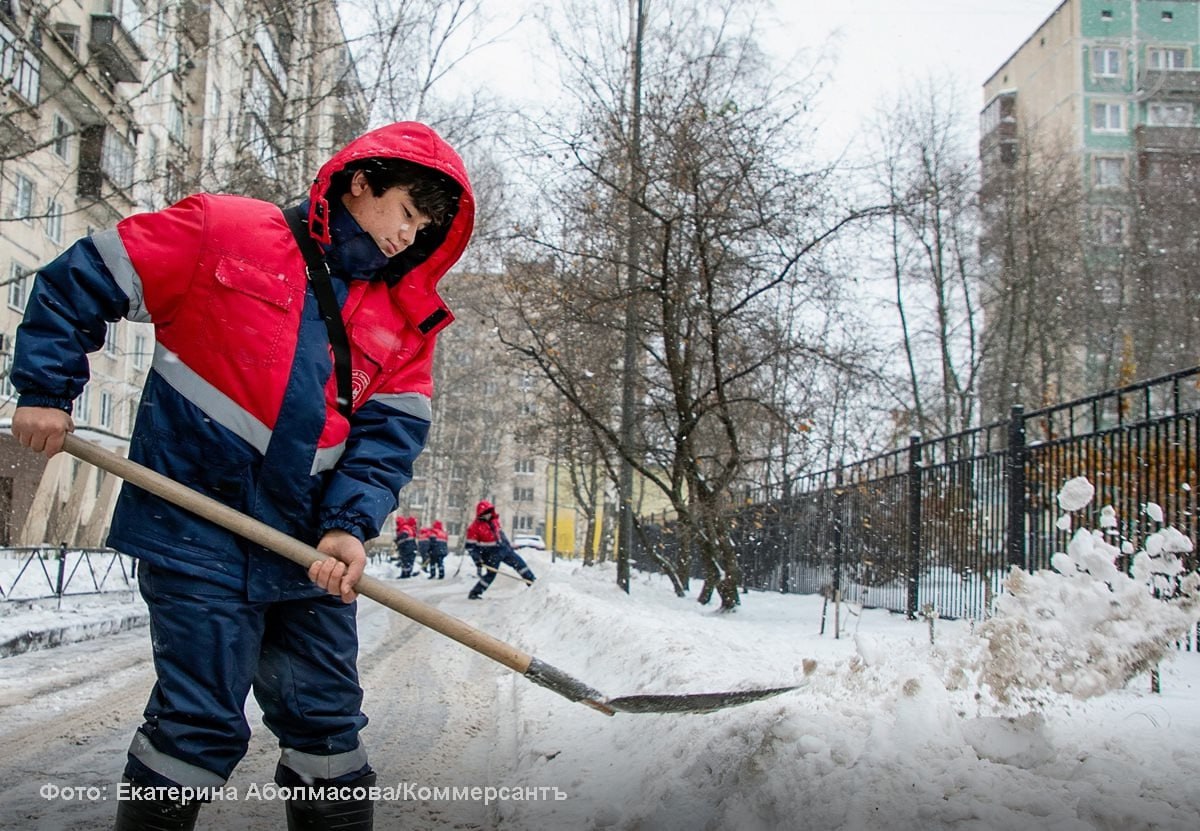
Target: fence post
x,y
62,568
1016,488
839,508
914,525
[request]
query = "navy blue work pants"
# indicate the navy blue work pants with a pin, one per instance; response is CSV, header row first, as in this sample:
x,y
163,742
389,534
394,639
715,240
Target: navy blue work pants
x,y
211,647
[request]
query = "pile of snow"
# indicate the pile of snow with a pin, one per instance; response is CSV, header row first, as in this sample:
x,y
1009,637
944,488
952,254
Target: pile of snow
x,y
1087,627
1023,722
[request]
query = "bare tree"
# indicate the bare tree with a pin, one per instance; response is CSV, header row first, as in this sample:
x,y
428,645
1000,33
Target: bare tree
x,y
927,172
730,226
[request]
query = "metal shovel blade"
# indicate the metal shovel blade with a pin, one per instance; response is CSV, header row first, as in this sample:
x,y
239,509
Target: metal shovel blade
x,y
691,702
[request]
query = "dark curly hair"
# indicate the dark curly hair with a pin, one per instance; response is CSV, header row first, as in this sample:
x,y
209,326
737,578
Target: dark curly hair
x,y
433,194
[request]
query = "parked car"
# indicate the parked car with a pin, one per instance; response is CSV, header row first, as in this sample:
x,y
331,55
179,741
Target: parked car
x,y
529,541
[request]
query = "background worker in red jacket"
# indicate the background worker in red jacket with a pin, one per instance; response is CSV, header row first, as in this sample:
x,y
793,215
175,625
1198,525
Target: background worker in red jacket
x,y
424,535
438,548
492,548
303,403
406,544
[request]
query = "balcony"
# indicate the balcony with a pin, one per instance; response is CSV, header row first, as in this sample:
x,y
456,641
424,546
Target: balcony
x,y
1154,83
105,158
113,50
1168,139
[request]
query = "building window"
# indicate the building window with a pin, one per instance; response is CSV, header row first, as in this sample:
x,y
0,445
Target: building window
x,y
1108,118
1164,114
83,406
176,123
60,141
455,499
270,53
523,466
151,156
522,522
116,159
6,387
1106,62
20,65
22,204
105,408
173,183
262,148
68,33
112,337
453,528
54,221
522,494
1112,227
1168,58
1109,172
140,352
18,286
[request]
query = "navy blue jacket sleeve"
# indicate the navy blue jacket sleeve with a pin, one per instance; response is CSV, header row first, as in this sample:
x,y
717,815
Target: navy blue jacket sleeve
x,y
74,298
377,462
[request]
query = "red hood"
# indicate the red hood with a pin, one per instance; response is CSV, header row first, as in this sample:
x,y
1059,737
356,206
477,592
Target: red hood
x,y
483,507
414,142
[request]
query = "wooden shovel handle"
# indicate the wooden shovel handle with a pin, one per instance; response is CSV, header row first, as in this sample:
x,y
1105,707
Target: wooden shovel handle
x,y
294,550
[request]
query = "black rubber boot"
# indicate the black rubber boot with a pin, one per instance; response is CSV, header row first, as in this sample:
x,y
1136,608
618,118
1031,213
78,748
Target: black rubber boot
x,y
156,815
333,814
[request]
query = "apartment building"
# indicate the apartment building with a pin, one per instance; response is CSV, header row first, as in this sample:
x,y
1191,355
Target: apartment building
x,y
1098,109
109,107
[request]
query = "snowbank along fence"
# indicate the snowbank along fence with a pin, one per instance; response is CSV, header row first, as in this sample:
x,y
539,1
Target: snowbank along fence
x,y
936,526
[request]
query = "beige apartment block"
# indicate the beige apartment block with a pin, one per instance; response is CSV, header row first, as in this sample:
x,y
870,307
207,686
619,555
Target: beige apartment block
x,y
109,107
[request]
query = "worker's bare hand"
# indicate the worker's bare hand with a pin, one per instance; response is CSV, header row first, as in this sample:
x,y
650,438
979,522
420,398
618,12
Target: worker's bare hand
x,y
345,561
43,429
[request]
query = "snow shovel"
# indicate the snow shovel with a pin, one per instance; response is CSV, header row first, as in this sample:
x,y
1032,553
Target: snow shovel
x,y
506,574
304,555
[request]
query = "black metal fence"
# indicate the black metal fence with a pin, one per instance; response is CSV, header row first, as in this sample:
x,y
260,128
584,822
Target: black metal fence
x,y
39,572
938,524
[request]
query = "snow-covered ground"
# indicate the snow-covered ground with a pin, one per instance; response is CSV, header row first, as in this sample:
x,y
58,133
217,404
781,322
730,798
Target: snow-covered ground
x,y
886,729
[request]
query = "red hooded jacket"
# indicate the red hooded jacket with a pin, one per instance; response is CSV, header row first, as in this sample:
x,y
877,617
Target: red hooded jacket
x,y
241,400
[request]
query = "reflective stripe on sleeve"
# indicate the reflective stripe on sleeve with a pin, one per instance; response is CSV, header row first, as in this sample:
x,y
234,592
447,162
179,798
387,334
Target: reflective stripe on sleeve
x,y
116,258
326,458
409,403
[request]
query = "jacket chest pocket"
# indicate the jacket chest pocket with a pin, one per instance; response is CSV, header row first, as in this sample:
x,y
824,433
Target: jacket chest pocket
x,y
377,352
248,312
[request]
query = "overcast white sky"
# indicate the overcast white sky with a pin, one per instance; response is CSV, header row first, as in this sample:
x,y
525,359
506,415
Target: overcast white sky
x,y
881,46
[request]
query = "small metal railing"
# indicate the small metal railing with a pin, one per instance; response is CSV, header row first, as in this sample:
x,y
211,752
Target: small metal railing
x,y
41,572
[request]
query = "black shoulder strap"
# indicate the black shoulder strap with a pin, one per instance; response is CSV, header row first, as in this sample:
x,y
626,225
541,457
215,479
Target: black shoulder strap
x,y
318,275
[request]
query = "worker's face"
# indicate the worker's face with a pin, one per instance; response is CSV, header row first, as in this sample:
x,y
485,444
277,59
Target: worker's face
x,y
390,219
